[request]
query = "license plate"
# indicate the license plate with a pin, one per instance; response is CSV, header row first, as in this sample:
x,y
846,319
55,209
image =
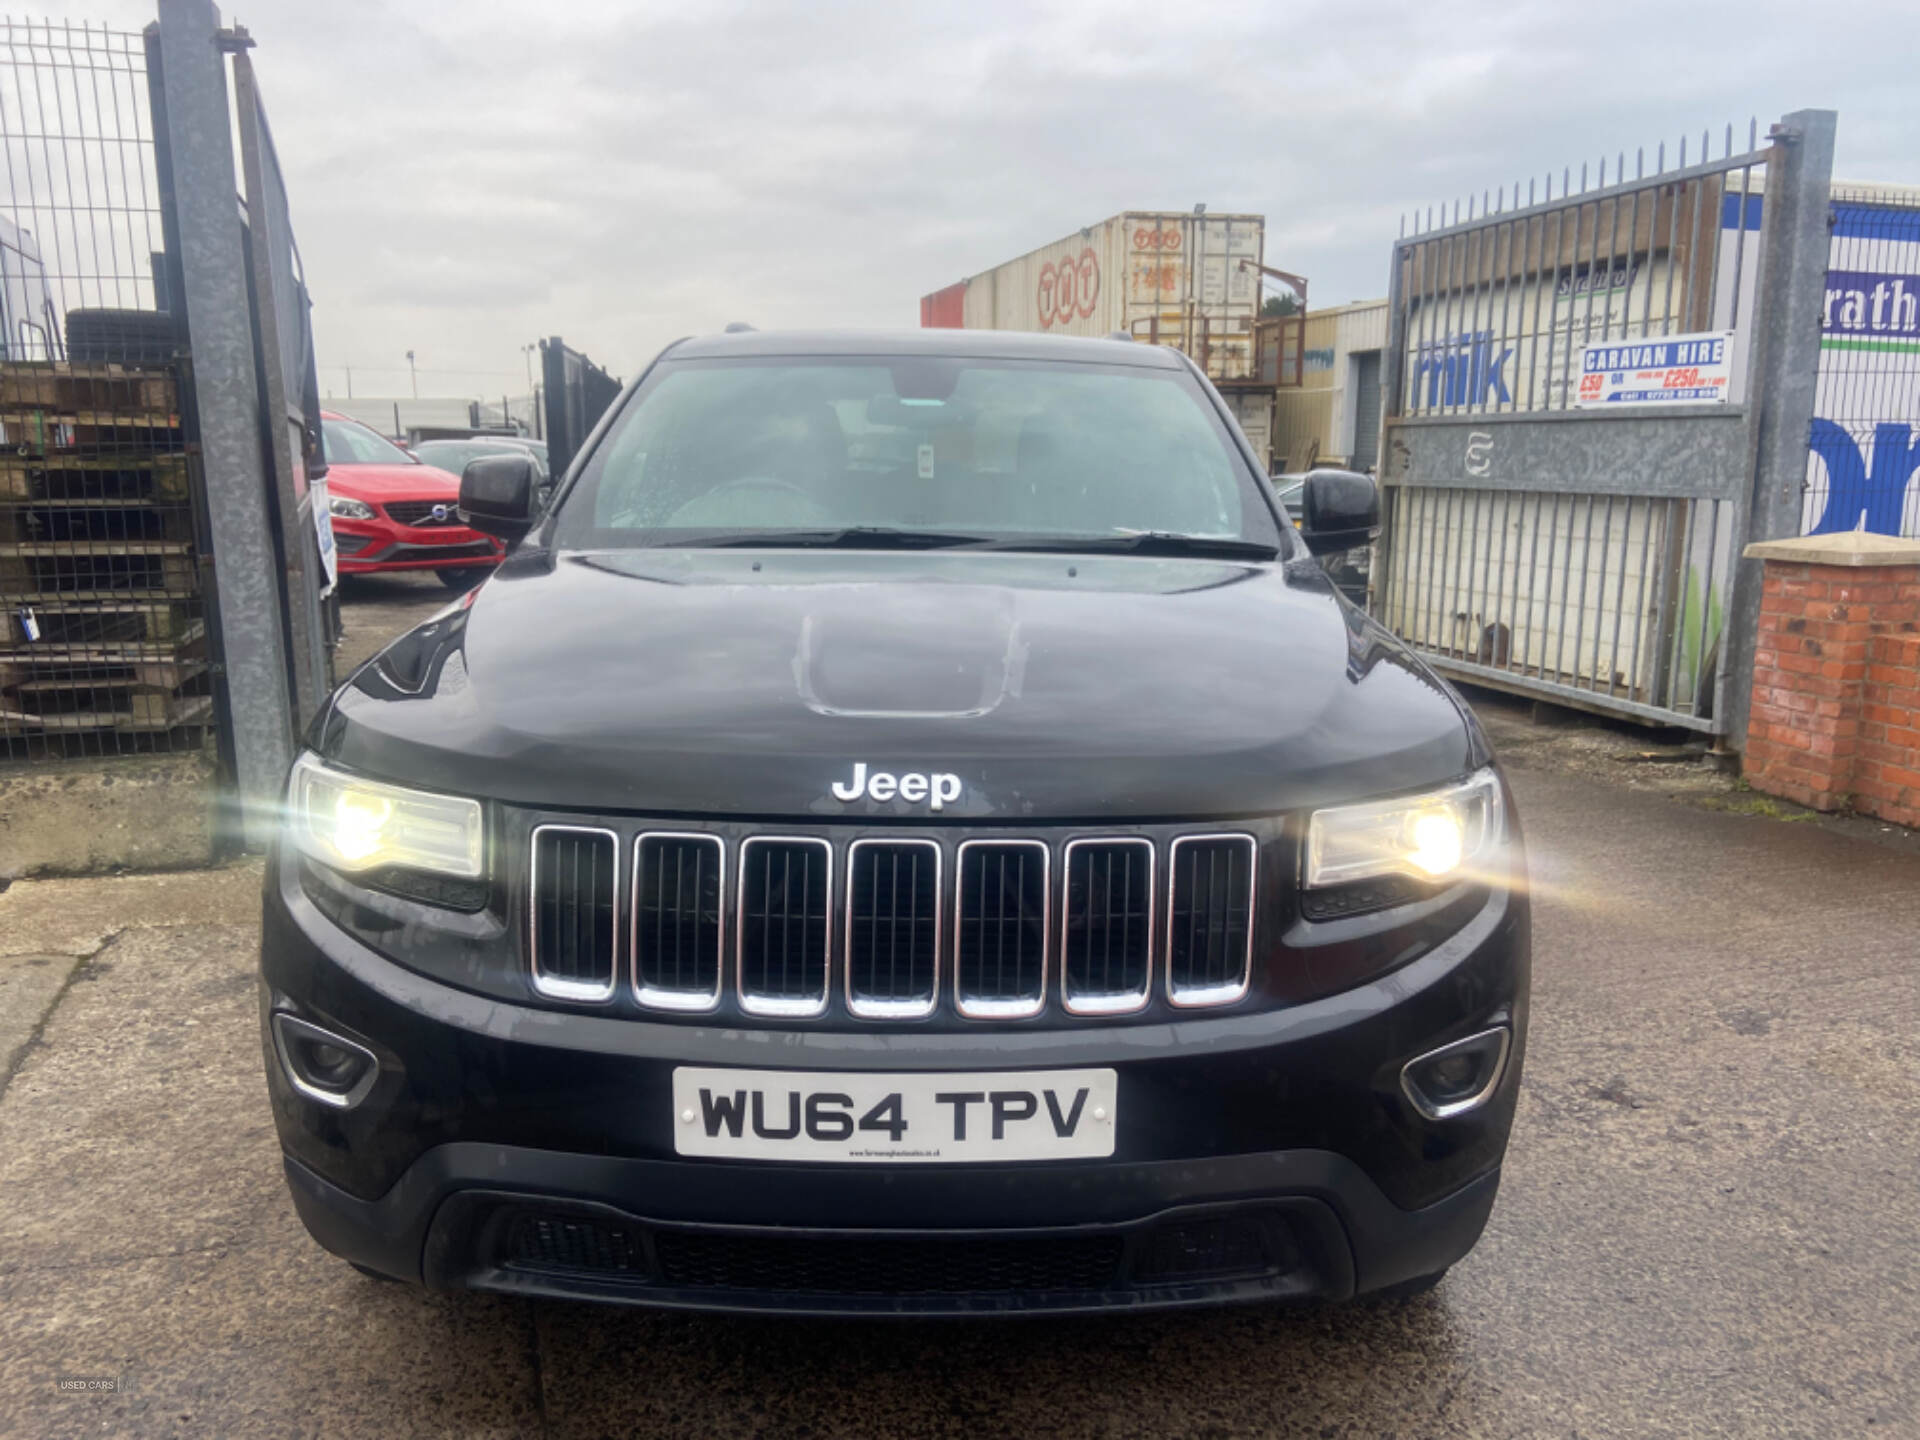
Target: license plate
x,y
866,1119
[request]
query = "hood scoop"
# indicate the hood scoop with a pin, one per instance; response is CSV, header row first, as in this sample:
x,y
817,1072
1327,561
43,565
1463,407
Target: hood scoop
x,y
958,653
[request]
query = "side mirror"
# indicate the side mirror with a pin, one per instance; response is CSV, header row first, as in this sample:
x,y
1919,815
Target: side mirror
x,y
1339,510
497,496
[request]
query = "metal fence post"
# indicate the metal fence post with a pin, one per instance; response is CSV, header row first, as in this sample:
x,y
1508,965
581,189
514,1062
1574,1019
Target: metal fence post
x,y
1785,373
1391,384
213,271
285,358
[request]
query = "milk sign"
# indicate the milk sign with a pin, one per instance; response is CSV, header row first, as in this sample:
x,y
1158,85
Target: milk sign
x,y
1677,369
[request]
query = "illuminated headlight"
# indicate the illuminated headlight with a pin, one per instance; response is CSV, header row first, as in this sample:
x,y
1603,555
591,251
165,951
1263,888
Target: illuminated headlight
x,y
1434,836
355,824
348,508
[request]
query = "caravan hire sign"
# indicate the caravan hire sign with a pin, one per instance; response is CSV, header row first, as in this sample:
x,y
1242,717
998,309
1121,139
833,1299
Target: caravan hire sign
x,y
1689,369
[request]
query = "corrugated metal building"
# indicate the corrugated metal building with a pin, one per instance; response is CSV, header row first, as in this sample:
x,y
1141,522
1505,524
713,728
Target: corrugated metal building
x,y
1333,415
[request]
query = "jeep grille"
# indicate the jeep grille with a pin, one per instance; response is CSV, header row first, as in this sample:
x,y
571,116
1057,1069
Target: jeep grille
x,y
1097,926
571,917
1106,926
1210,919
679,890
1000,929
893,928
786,929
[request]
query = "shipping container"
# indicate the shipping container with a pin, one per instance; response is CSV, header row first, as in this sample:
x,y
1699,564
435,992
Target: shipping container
x,y
1164,277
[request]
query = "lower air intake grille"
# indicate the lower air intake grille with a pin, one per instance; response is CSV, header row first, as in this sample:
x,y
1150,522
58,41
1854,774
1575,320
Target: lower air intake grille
x,y
883,1265
784,930
893,927
1000,929
1106,926
1210,924
559,1242
678,884
571,924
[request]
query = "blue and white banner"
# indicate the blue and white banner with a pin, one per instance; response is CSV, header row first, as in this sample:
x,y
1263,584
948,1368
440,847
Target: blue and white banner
x,y
1676,369
1866,431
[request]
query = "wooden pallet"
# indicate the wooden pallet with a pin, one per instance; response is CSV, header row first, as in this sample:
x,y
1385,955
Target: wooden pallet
x,y
55,429
62,620
62,522
106,476
89,567
43,386
72,686
138,710
45,676
190,644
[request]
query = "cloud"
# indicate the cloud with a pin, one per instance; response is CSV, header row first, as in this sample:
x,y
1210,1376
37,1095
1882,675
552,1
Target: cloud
x,y
468,174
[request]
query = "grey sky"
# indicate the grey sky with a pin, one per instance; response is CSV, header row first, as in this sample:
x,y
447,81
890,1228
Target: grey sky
x,y
467,175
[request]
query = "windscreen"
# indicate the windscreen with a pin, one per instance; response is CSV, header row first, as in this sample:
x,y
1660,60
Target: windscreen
x,y
453,455
998,449
346,442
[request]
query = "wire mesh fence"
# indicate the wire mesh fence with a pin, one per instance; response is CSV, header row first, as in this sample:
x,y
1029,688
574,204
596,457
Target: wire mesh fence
x,y
104,645
1866,430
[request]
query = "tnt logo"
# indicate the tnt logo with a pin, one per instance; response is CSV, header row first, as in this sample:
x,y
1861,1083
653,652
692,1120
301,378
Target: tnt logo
x,y
1856,489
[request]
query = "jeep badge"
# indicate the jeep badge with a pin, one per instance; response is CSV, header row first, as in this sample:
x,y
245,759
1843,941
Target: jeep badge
x,y
913,787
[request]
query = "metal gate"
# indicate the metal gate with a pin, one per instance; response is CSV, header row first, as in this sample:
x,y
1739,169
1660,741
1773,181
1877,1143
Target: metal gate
x,y
578,393
1582,542
250,411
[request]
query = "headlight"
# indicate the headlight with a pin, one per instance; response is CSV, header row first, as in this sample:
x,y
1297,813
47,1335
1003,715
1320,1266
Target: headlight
x,y
348,508
1432,836
355,824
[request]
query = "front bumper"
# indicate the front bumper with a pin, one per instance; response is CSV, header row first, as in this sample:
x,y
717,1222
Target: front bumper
x,y
371,546
1292,1225
1261,1154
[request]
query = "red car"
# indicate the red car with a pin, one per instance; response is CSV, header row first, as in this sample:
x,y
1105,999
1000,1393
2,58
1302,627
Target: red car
x,y
390,512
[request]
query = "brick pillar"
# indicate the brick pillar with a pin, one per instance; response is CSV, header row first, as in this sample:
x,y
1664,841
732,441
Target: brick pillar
x,y
1832,720
1886,772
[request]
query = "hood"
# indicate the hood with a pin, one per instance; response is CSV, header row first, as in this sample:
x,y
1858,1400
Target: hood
x,y
392,482
750,683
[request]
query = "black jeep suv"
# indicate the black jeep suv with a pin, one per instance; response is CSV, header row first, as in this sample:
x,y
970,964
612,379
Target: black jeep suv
x,y
909,829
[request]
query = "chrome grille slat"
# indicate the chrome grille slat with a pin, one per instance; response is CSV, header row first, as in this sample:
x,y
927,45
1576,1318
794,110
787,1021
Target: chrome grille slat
x,y
679,901
1001,900
571,935
771,938
893,960
1106,926
784,936
1210,918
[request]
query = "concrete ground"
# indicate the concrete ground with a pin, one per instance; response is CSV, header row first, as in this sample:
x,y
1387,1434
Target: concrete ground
x,y
376,608
1707,1226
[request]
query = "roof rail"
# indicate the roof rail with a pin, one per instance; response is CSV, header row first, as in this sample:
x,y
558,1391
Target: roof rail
x,y
739,327
1120,335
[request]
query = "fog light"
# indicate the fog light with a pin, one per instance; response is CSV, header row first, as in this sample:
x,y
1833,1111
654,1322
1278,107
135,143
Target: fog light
x,y
321,1065
1458,1077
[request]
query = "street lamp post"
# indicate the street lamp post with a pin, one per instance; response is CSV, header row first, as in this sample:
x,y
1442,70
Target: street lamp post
x,y
413,375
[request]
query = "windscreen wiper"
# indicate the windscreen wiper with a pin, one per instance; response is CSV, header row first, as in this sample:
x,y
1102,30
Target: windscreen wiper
x,y
851,537
1154,542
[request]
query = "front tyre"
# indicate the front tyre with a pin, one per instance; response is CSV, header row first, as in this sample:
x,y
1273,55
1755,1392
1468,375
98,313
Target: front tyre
x,y
464,578
1409,1289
